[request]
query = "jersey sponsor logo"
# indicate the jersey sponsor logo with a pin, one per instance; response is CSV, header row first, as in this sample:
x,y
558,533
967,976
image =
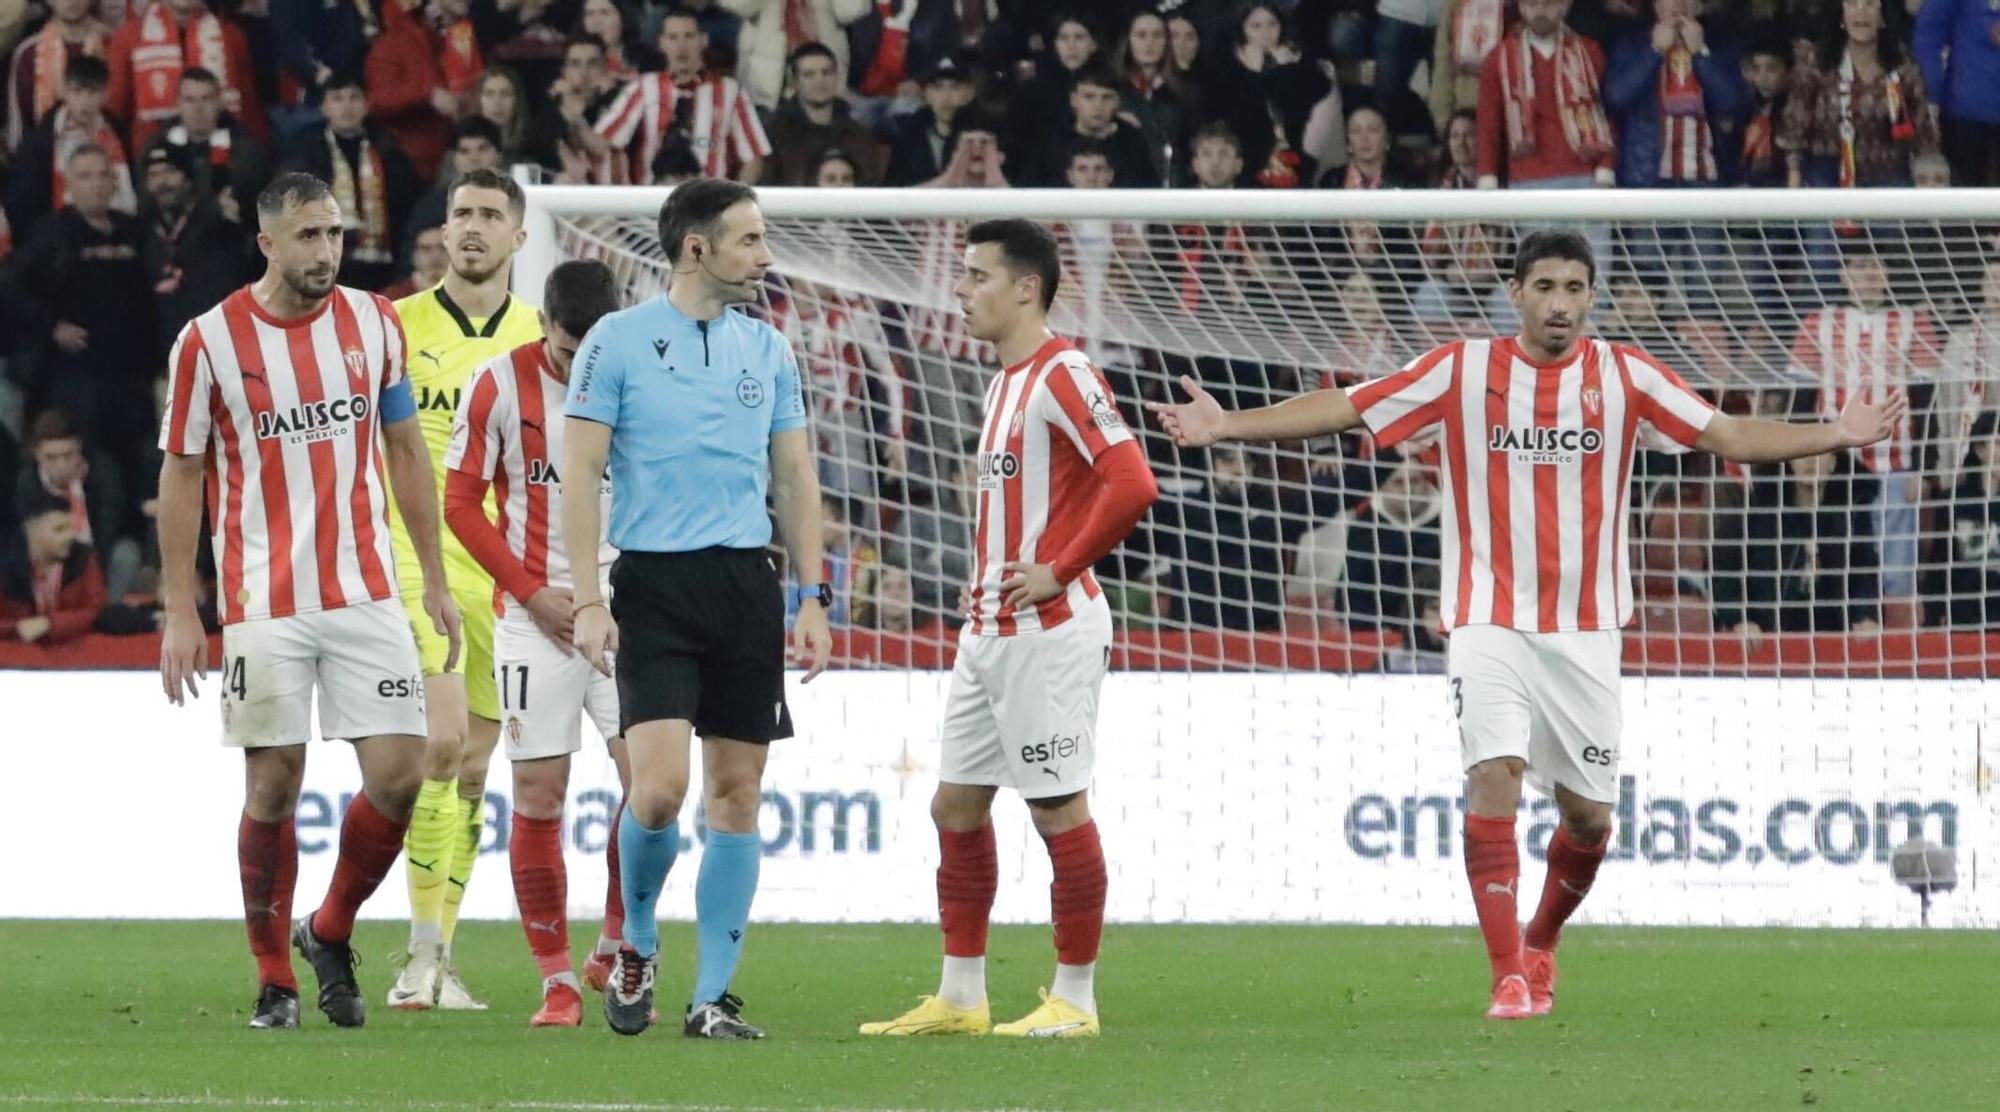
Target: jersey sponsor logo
x,y
401,687
313,421
543,473
996,467
749,391
429,399
1600,755
1545,443
1058,747
1102,413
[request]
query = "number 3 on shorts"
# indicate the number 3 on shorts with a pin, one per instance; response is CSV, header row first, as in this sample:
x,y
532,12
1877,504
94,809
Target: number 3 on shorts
x,y
1458,697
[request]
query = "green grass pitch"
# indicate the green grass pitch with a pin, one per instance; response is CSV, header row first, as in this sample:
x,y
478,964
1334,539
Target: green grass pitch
x,y
139,1014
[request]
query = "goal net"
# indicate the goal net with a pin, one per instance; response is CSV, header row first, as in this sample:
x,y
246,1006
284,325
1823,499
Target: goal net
x,y
1806,671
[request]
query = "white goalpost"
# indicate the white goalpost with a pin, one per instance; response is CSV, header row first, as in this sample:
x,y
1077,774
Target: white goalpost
x,y
1806,679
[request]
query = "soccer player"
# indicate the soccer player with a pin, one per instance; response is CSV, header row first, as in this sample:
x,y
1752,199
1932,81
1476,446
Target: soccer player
x,y
1061,482
279,400
698,409
509,436
1538,434
464,321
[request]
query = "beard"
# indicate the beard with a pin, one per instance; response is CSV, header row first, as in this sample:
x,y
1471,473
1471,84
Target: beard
x,y
482,267
307,285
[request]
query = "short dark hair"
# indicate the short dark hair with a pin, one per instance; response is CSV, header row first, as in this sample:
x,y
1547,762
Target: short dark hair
x,y
695,208
40,501
1085,147
517,200
1027,249
578,294
676,162
584,38
86,72
201,74
287,190
832,154
1095,75
343,79
1218,132
51,424
1553,244
813,49
477,127
681,11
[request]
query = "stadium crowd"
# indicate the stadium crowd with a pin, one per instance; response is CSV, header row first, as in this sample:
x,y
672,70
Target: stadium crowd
x,y
139,132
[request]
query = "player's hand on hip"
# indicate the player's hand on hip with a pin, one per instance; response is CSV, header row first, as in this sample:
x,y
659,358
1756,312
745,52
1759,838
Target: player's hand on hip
x,y
1027,584
550,609
595,636
1864,422
444,619
1195,423
183,655
965,600
812,640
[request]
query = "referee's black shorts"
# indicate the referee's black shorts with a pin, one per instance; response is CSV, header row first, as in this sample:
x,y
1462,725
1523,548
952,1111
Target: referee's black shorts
x,y
701,637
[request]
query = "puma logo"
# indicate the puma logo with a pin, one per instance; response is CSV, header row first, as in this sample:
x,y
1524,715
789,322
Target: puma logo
x,y
545,928
435,361
527,424
248,375
1572,889
1506,889
427,866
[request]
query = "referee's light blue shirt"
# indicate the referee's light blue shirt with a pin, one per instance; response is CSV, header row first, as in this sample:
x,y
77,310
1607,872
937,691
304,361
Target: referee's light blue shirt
x,y
692,406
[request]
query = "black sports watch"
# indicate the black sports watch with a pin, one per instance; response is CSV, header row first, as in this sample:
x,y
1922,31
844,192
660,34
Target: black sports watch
x,y
818,592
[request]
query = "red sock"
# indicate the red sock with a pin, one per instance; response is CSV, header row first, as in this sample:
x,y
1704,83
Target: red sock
x,y
267,858
1077,895
614,892
1493,864
968,875
369,843
541,888
1572,869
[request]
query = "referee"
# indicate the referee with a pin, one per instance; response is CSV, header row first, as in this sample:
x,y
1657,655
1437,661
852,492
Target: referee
x,y
698,409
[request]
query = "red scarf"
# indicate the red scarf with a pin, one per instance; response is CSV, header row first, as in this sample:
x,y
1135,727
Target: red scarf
x,y
52,61
1687,150
1757,135
459,58
892,58
1577,103
1900,128
1475,30
69,137
165,49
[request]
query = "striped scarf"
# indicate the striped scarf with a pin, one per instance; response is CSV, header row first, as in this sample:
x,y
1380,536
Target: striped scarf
x,y
52,61
1577,103
364,204
1687,150
165,49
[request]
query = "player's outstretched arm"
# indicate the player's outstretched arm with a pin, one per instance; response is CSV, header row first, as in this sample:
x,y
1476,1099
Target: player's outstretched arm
x,y
184,645
1201,420
1753,440
795,497
586,447
415,488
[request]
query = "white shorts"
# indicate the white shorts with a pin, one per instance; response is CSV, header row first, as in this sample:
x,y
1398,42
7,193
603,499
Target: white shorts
x,y
1550,699
1022,712
544,692
362,659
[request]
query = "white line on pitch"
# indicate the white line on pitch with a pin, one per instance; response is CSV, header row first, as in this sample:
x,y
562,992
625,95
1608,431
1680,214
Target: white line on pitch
x,y
215,1101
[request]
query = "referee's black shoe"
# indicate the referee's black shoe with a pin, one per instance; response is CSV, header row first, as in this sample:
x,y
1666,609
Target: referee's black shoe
x,y
628,995
719,1019
333,965
277,1009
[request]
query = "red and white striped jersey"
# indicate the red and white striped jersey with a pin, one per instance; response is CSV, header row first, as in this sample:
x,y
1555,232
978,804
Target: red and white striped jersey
x,y
509,430
721,124
1047,420
284,411
1849,351
841,346
1537,472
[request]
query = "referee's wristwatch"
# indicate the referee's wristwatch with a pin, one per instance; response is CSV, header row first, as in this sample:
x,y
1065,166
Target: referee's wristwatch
x,y
818,592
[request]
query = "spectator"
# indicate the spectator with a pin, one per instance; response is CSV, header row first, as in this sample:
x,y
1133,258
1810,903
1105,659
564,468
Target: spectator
x,y
1800,558
1224,540
1461,259
1541,114
502,101
625,51
196,257
1678,100
708,113
1041,96
407,91
985,33
1217,159
564,137
1156,92
84,287
1969,384
674,165
773,29
1392,537
1761,164
1958,48
38,184
530,38
372,181
158,43
1405,31
1368,165
1184,41
51,590
1093,103
833,170
1265,92
817,118
1975,533
35,79
922,145
229,164
1868,346
460,60
475,145
1468,32
937,539
427,262
1857,120
886,600
852,386
60,468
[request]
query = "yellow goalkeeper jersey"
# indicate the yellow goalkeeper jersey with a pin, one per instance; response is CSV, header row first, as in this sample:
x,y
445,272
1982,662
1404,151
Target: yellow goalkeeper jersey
x,y
444,347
